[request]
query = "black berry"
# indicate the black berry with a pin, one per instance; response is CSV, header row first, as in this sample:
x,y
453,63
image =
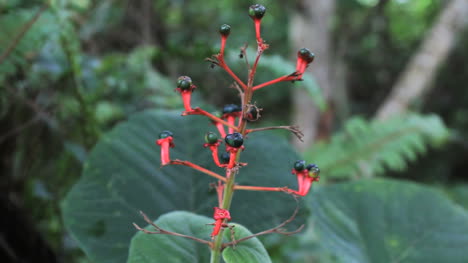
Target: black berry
x,y
257,11
225,30
230,108
305,54
234,140
225,157
165,134
184,83
299,165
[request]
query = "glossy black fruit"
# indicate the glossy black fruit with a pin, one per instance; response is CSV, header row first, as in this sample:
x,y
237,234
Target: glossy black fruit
x,y
225,30
234,140
257,11
299,165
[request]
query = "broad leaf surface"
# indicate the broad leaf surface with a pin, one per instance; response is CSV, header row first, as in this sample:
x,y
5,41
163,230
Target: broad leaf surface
x,y
151,248
369,221
123,176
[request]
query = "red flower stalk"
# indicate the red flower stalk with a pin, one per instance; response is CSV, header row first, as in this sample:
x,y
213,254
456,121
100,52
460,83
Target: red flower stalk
x,y
256,12
219,216
304,58
224,30
220,128
212,142
185,87
165,141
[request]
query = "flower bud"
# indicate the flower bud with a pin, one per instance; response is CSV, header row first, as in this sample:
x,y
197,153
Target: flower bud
x,y
234,140
225,30
211,138
257,11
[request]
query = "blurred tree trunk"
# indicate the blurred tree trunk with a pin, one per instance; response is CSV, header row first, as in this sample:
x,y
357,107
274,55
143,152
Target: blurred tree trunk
x,y
310,27
415,79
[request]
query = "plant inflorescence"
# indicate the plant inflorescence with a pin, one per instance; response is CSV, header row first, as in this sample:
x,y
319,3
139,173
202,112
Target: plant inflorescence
x,y
236,118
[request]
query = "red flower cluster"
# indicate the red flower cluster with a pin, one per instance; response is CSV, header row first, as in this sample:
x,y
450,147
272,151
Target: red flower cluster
x,y
235,118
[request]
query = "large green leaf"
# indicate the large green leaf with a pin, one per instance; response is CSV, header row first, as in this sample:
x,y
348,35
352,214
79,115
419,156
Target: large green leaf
x,y
148,248
123,176
390,221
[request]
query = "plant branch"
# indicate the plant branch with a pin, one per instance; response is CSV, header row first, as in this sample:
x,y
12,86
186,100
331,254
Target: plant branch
x,y
199,168
241,93
262,188
21,34
294,129
219,60
290,77
166,232
278,229
198,111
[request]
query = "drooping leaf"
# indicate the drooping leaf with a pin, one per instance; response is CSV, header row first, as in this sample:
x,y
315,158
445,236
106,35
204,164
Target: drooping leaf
x,y
123,175
151,248
389,221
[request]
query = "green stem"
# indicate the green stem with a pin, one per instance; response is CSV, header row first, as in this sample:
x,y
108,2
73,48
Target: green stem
x,y
230,175
228,194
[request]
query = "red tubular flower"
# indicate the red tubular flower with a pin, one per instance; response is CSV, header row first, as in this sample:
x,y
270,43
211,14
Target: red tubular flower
x,y
165,141
256,12
185,87
212,142
230,113
224,30
219,216
219,125
304,58
304,177
234,142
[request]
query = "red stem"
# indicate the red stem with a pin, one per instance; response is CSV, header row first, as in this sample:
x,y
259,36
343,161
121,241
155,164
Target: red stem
x,y
198,111
214,154
261,188
186,96
231,120
257,31
165,155
224,66
199,168
300,181
307,183
221,130
232,159
274,81
223,45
